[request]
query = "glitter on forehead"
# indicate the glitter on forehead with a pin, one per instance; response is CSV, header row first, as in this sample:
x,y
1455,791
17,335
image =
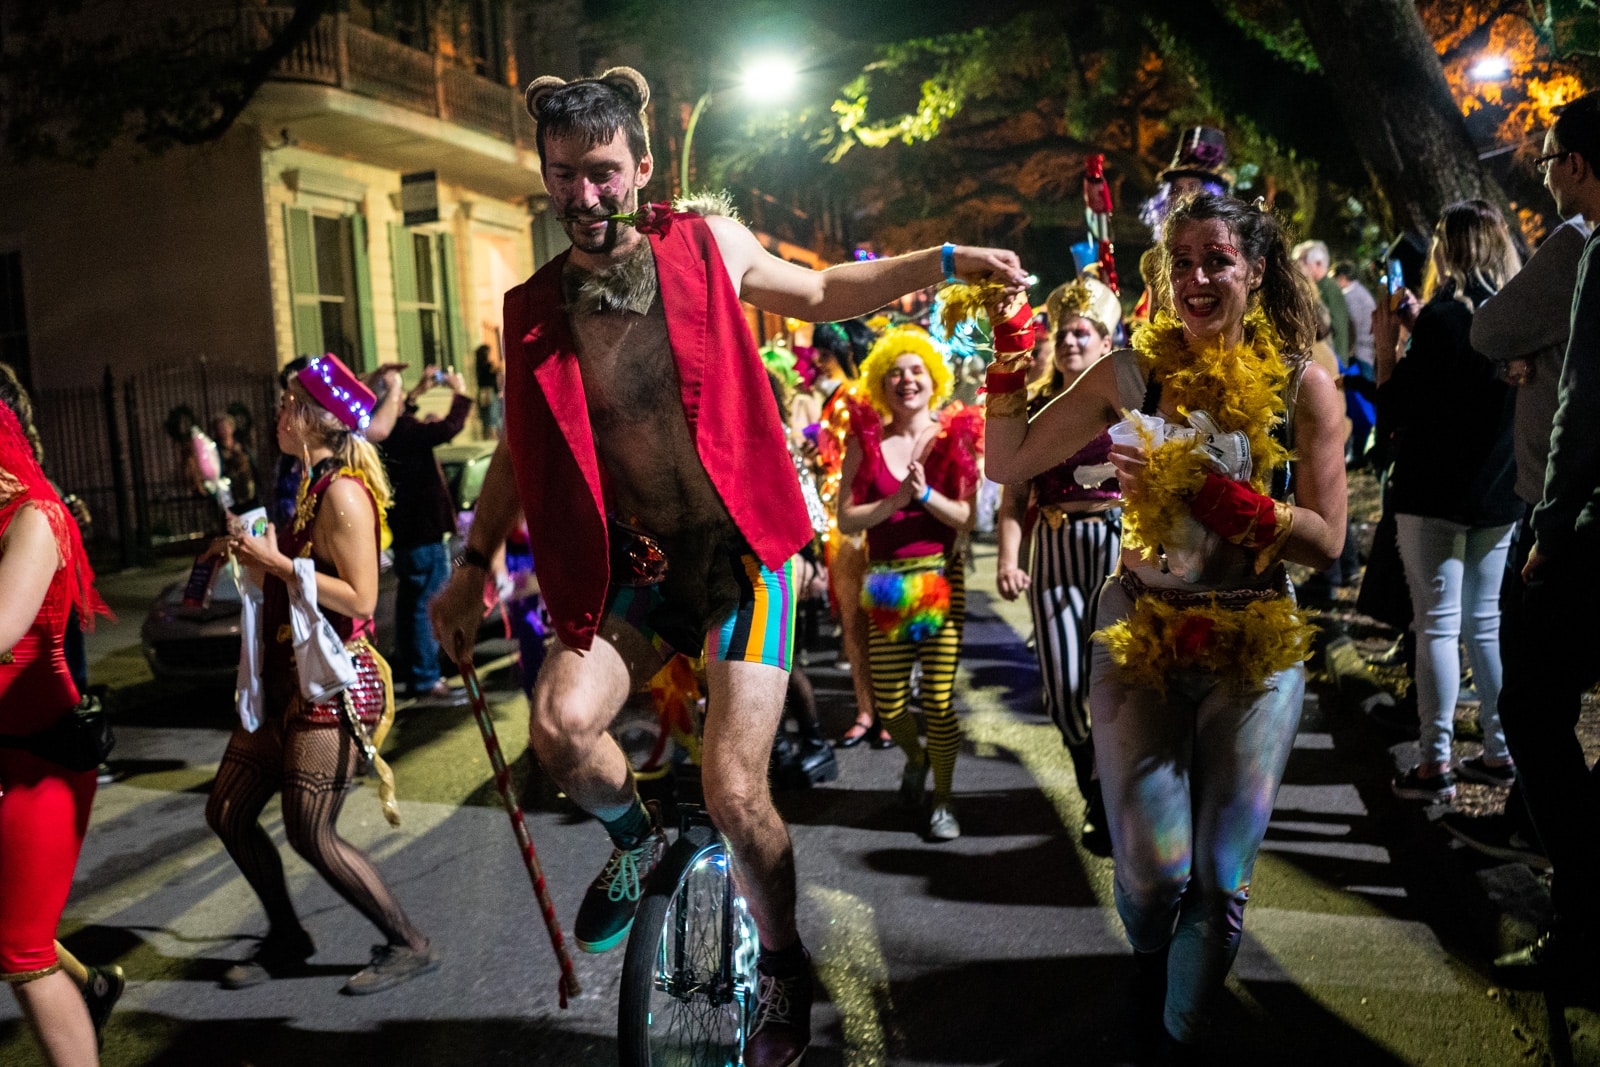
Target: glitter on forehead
x,y
1220,247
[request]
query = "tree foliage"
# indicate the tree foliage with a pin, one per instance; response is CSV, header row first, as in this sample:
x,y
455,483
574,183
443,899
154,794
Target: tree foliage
x,y
983,127
77,76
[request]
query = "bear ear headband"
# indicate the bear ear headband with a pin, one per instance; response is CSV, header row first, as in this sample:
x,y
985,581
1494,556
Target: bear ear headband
x,y
625,80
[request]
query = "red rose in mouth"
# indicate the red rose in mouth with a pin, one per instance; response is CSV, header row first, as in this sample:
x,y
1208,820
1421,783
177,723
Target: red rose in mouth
x,y
653,218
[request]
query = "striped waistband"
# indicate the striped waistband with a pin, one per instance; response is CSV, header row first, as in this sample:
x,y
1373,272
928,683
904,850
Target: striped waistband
x,y
1055,516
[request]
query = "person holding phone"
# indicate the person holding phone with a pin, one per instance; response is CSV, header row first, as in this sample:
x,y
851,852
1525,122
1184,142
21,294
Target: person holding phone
x,y
422,520
1452,486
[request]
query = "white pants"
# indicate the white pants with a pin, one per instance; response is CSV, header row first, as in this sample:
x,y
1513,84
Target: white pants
x,y
1454,572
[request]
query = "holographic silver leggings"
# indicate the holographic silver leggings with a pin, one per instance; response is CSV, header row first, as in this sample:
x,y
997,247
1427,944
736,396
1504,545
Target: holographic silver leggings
x,y
1189,780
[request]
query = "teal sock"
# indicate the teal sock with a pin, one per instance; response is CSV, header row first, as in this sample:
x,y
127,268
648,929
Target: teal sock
x,y
631,827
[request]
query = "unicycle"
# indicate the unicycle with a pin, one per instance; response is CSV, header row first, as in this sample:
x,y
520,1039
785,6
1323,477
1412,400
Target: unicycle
x,y
689,984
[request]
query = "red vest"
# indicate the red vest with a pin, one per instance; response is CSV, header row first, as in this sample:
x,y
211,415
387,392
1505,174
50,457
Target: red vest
x,y
726,398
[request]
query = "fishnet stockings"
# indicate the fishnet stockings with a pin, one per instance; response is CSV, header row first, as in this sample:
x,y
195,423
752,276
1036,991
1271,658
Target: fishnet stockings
x,y
312,765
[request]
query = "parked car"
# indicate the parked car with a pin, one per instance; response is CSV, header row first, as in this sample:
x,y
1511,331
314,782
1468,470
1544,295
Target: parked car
x,y
200,645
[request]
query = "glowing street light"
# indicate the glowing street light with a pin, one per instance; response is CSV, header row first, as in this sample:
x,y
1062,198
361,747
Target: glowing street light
x,y
1491,69
766,80
770,78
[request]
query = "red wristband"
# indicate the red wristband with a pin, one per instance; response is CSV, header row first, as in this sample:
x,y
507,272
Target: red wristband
x,y
1016,333
1005,381
1235,511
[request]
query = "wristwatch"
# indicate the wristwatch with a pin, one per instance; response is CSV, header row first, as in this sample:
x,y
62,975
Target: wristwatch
x,y
471,557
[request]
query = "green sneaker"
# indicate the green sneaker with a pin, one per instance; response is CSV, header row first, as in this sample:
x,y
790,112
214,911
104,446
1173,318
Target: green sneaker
x,y
606,914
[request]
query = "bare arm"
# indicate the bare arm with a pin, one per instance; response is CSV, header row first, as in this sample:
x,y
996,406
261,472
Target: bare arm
x,y
959,515
29,558
1319,488
344,532
848,289
1008,526
1017,449
1010,579
458,608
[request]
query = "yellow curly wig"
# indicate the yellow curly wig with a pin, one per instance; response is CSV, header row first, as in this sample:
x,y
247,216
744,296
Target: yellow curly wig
x,y
890,347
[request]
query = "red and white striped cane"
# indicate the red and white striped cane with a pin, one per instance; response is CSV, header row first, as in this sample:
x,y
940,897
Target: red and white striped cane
x,y
502,781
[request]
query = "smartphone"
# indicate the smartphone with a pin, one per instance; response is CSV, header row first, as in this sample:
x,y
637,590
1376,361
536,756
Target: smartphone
x,y
438,377
1394,280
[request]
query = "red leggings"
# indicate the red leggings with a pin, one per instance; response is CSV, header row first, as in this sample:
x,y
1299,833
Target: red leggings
x,y
44,813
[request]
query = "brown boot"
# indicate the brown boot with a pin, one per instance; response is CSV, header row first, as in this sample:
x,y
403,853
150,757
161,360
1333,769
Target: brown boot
x,y
783,1019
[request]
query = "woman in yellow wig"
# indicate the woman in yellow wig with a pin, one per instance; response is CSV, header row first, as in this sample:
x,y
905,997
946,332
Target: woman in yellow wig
x,y
913,479
1197,678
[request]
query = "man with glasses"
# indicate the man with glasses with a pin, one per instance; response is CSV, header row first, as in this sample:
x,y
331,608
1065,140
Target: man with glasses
x,y
1549,651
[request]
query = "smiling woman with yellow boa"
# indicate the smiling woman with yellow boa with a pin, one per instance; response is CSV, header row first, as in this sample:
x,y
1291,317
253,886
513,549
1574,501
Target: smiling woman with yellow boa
x,y
1228,446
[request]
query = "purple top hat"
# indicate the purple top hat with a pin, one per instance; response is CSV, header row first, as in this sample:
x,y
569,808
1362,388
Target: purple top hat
x,y
331,384
1202,153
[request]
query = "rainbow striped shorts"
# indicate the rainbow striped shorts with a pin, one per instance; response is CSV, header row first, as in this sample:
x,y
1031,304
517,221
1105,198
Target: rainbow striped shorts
x,y
759,629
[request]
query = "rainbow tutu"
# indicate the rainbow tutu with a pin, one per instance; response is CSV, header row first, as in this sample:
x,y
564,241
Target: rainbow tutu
x,y
907,600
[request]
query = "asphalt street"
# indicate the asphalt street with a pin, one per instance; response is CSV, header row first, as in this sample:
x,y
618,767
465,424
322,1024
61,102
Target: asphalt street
x,y
1000,948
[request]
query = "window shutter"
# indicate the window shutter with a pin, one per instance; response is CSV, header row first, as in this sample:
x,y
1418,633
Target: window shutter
x,y
307,308
455,315
408,327
363,295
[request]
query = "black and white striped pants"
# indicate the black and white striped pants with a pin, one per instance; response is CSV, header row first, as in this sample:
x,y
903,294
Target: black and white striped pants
x,y
1070,563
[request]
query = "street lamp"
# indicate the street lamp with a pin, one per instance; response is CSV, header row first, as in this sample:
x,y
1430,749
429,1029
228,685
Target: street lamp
x,y
1491,69
767,79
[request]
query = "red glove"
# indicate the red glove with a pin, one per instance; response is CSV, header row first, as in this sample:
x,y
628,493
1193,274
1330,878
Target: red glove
x,y
1236,511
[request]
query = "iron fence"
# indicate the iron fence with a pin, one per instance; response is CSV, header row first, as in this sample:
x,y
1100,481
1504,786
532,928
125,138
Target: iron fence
x,y
125,448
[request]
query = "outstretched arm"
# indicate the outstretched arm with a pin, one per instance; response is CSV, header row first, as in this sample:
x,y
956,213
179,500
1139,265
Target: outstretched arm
x,y
457,608
1016,448
848,289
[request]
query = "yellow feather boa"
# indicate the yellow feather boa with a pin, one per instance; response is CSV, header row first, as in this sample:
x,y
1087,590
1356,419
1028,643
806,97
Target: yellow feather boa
x,y
1241,388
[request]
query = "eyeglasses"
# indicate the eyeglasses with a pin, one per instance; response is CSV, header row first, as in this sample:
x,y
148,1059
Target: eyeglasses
x,y
1542,164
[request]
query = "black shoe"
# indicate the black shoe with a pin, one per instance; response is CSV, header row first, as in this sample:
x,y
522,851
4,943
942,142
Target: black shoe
x,y
1476,769
881,741
390,966
100,995
606,914
1413,786
278,956
1494,835
817,761
853,736
782,1030
1557,960
1096,833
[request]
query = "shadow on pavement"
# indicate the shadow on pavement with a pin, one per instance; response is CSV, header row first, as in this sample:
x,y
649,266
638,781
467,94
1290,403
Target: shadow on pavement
x,y
148,1040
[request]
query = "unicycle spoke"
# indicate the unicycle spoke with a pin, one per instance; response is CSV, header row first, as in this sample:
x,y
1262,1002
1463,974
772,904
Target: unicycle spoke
x,y
701,968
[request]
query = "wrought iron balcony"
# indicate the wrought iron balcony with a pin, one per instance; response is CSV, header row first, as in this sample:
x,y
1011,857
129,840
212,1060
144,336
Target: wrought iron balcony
x,y
369,64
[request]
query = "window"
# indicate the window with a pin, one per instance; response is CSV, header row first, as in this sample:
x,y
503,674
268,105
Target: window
x,y
14,319
424,250
427,297
328,281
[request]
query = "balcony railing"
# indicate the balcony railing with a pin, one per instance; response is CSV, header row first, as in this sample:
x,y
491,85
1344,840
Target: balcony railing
x,y
370,64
